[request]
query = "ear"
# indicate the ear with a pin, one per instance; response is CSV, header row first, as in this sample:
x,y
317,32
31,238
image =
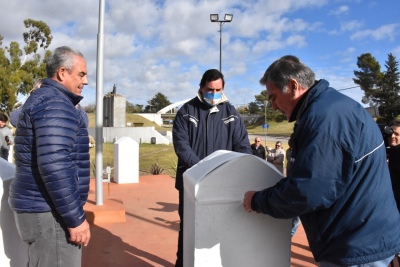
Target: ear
x,y
60,75
294,85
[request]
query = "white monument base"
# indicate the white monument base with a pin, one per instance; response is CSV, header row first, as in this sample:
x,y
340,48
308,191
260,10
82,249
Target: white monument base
x,y
217,229
126,161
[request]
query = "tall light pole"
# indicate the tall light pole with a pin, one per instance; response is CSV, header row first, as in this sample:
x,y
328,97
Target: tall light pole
x,y
265,120
214,18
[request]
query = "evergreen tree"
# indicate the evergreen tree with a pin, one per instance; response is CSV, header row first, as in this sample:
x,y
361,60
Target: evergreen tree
x,y
159,101
388,97
381,89
368,77
254,108
272,115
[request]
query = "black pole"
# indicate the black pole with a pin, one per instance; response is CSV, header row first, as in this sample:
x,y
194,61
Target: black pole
x,y
220,47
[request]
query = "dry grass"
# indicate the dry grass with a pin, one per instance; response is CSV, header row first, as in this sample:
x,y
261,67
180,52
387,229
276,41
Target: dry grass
x,y
164,155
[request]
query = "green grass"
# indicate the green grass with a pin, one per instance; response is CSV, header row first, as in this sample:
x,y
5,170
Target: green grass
x,y
149,154
164,155
282,128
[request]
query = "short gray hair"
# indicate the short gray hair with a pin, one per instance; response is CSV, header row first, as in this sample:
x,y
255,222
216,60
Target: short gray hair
x,y
286,68
63,56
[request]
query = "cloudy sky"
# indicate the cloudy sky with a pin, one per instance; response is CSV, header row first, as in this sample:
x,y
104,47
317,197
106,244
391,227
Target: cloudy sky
x,y
166,45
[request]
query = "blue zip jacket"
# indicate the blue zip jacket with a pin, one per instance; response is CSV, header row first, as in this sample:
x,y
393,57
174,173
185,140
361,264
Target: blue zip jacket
x,y
338,183
51,155
199,130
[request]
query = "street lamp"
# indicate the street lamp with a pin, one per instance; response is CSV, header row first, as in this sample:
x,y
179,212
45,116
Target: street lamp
x,y
214,18
265,119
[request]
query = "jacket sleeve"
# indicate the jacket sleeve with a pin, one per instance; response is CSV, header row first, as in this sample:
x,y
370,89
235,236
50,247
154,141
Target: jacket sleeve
x,y
3,144
311,186
56,129
180,135
270,157
241,141
279,158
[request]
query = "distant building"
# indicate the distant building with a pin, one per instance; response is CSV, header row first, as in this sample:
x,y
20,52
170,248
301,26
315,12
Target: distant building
x,y
373,111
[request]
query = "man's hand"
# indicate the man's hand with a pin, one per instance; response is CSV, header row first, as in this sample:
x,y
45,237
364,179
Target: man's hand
x,y
248,196
81,234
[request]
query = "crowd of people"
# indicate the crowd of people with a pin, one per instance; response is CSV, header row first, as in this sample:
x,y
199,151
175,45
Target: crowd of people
x,y
341,181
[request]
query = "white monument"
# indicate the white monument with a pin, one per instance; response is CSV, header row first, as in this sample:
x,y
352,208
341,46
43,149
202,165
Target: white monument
x,y
13,251
217,229
126,161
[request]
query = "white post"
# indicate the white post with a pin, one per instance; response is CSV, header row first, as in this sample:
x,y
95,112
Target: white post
x,y
126,161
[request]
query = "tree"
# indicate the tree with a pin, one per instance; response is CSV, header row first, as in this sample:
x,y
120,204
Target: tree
x,y
19,69
273,115
381,89
253,108
91,108
388,97
158,102
242,110
132,108
368,78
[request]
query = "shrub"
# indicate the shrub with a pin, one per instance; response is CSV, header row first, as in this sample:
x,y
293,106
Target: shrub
x,y
156,169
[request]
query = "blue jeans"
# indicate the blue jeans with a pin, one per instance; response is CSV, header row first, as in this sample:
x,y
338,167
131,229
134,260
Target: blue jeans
x,y
47,239
381,263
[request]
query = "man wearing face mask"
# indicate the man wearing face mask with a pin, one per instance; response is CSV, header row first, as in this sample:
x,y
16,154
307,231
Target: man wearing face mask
x,y
203,125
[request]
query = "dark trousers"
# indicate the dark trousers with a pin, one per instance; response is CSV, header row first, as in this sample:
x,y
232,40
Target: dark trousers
x,y
179,253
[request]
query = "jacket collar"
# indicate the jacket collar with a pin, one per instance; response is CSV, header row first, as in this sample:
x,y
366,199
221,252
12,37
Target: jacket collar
x,y
214,108
312,93
75,99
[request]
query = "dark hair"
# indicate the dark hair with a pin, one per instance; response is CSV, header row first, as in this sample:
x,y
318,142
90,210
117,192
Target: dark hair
x,y
395,122
63,56
3,117
286,68
212,75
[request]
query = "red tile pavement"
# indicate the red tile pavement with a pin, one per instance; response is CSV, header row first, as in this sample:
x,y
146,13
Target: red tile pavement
x,y
149,235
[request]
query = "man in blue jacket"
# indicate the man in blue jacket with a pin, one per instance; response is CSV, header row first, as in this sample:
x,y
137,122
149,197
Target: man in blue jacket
x,y
339,183
52,165
203,125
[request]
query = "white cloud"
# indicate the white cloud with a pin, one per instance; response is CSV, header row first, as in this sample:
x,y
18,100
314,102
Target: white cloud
x,y
388,31
340,10
165,46
396,52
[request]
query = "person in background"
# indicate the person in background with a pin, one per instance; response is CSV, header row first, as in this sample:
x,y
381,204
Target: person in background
x,y
203,125
276,156
3,143
7,136
51,184
338,183
288,156
18,106
258,149
393,156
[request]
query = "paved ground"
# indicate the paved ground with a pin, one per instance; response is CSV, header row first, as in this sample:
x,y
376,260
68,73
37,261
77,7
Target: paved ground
x,y
149,235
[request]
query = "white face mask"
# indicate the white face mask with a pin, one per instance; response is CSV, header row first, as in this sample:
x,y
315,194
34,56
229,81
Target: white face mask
x,y
212,98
